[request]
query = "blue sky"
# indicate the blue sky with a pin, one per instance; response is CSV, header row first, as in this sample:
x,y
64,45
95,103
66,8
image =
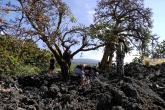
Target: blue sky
x,y
84,10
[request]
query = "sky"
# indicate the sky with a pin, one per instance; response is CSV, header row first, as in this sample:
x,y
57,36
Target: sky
x,y
84,10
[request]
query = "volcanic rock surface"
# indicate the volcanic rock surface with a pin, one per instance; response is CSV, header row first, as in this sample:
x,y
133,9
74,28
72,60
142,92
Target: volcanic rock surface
x,y
143,88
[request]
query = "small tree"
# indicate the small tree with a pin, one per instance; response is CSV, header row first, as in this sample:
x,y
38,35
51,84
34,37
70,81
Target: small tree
x,y
49,21
160,50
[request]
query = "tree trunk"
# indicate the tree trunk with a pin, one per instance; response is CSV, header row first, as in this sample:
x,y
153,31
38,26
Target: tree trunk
x,y
63,63
64,70
106,61
120,54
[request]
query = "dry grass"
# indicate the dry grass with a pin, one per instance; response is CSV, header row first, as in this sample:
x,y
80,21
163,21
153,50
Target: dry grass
x,y
155,61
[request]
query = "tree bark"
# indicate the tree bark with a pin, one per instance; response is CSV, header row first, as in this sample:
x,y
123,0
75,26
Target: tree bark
x,y
64,65
105,58
106,61
120,54
64,70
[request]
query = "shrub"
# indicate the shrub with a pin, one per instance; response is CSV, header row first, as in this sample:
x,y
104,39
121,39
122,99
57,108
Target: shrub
x,y
24,70
16,54
137,60
146,62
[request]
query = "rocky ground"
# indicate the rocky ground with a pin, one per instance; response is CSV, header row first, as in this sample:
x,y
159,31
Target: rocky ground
x,y
143,88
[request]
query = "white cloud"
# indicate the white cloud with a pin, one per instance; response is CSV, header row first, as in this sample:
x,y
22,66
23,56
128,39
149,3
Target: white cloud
x,y
91,12
98,54
90,15
93,55
2,33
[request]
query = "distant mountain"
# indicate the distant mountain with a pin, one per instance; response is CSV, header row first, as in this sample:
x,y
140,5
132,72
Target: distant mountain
x,y
85,61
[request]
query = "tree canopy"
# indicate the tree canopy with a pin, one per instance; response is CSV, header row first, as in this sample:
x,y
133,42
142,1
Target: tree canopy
x,y
128,19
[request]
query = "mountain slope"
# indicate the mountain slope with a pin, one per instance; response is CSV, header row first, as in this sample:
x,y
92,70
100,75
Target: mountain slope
x,y
85,61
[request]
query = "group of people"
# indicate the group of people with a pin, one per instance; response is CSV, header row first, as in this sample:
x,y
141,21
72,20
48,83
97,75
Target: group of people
x,y
85,73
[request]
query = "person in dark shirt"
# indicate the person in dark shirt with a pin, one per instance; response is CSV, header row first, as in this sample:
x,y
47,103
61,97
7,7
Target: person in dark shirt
x,y
52,65
120,54
79,72
67,56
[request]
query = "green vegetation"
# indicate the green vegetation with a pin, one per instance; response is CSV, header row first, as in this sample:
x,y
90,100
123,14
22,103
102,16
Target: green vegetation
x,y
137,60
159,51
18,57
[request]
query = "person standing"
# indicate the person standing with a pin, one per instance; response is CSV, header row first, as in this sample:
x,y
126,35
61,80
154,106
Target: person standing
x,y
67,56
52,65
121,49
79,72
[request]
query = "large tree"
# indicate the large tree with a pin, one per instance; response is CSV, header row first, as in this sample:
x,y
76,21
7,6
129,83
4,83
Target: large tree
x,y
122,18
49,21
